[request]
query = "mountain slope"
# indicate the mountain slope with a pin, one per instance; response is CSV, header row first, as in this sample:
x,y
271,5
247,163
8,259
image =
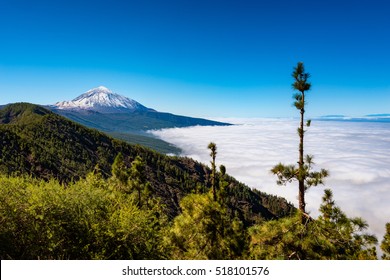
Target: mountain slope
x,y
124,118
136,122
102,109
40,143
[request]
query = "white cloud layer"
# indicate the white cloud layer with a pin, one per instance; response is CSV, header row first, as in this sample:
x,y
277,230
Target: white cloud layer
x,y
357,154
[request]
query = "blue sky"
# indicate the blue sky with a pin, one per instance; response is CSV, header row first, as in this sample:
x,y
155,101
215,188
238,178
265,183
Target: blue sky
x,y
200,58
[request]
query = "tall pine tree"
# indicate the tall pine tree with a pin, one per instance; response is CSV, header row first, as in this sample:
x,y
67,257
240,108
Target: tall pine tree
x,y
120,172
385,245
303,173
213,148
137,179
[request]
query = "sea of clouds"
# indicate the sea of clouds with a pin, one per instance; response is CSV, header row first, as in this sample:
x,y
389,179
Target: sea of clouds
x,y
357,155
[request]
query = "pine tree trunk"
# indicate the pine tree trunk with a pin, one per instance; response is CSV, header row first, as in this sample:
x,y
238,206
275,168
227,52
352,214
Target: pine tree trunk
x,y
302,204
213,181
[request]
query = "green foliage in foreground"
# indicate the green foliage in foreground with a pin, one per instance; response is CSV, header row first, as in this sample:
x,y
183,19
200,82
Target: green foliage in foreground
x,y
95,219
332,236
204,230
86,220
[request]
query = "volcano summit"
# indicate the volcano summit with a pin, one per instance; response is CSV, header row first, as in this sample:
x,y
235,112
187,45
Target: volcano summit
x,y
102,100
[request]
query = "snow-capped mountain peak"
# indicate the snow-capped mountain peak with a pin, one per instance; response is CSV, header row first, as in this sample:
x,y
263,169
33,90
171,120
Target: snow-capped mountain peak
x,y
101,99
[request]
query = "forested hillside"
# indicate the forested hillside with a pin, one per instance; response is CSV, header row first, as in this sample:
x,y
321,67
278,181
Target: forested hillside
x,y
40,143
69,192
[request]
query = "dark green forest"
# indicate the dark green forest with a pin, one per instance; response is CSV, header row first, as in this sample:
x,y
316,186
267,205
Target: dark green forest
x,y
71,192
